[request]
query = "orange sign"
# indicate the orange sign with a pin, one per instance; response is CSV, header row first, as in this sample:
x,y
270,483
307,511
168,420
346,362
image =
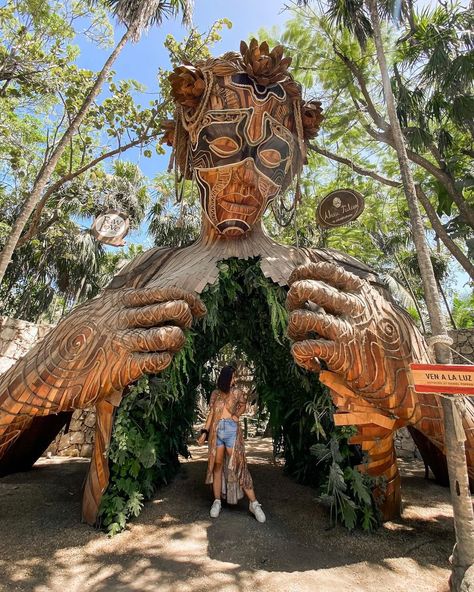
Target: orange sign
x,y
443,378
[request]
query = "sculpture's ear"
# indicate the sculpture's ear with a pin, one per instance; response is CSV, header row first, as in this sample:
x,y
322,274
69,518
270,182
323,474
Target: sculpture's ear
x,y
311,116
168,127
187,85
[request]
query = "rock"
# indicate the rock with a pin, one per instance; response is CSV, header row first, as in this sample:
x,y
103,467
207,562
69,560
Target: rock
x,y
86,450
77,438
467,584
90,420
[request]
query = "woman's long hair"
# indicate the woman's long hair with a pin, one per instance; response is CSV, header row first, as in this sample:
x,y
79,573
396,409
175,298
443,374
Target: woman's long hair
x,y
225,378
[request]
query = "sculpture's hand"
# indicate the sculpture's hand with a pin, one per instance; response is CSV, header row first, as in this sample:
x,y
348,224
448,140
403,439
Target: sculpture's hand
x,y
97,350
342,320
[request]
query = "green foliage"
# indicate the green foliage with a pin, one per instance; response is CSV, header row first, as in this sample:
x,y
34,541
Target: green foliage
x,y
150,429
345,489
463,311
430,55
246,310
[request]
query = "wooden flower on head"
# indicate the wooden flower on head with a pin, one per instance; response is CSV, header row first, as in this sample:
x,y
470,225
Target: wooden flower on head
x,y
264,66
311,117
187,85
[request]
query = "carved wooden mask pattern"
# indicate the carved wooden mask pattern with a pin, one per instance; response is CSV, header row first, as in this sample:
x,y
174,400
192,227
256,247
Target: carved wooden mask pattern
x,y
246,146
242,155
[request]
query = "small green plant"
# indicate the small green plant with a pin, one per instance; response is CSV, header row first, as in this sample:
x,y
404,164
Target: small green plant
x,y
345,489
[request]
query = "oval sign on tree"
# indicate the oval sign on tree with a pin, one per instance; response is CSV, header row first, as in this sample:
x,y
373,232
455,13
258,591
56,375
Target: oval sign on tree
x,y
339,207
111,228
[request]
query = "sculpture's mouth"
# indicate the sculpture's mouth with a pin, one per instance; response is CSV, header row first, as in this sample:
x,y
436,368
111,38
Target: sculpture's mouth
x,y
238,207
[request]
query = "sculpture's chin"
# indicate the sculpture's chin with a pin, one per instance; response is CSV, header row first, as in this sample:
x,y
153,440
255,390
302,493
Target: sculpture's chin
x,y
232,228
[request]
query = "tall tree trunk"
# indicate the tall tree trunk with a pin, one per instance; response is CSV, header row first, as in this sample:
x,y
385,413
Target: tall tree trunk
x,y
463,556
47,169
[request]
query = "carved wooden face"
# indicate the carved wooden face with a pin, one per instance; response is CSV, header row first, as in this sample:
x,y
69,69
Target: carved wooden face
x,y
243,153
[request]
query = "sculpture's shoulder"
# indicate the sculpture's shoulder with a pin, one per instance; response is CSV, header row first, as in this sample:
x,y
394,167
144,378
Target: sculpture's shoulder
x,y
191,267
141,270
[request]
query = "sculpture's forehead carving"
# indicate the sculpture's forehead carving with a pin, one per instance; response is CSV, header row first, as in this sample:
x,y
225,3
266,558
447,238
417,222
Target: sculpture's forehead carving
x,y
239,91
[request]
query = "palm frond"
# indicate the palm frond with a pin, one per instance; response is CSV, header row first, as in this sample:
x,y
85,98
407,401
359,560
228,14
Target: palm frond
x,y
140,15
352,15
400,294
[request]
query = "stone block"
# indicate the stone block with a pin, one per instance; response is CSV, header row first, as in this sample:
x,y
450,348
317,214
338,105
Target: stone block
x,y
86,450
77,438
89,420
76,425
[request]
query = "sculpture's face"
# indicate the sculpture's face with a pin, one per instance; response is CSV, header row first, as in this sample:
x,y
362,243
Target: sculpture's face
x,y
243,156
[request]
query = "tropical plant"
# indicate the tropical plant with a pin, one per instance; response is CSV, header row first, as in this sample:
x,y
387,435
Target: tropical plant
x,y
137,16
463,311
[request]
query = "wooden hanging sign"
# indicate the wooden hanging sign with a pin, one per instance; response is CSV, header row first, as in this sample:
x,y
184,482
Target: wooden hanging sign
x,y
339,207
111,228
443,378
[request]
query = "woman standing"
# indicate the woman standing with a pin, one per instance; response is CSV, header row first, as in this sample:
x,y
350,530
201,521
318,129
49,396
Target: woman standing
x,y
227,466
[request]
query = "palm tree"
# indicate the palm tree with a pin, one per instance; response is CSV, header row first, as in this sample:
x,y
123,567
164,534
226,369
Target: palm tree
x,y
137,16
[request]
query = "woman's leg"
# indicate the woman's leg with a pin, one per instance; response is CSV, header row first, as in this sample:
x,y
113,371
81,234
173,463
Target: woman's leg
x,y
217,472
250,493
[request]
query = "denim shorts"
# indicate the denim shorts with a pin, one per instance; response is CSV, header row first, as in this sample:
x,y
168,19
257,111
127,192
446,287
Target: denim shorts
x,y
226,433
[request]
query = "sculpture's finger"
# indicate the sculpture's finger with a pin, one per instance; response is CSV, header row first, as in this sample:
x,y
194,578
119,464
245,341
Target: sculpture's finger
x,y
304,322
146,296
167,338
152,363
333,274
177,312
138,364
332,300
309,351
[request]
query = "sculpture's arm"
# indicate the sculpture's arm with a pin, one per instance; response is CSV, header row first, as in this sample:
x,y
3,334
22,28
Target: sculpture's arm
x,y
97,350
342,320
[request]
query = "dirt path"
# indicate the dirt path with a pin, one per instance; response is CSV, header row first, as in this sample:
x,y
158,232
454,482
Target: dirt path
x,y
175,547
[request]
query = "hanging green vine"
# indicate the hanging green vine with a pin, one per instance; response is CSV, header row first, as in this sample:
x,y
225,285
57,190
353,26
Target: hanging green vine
x,y
155,419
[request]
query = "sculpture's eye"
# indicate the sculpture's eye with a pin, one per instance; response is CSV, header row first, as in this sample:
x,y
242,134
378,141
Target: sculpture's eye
x,y
224,147
270,158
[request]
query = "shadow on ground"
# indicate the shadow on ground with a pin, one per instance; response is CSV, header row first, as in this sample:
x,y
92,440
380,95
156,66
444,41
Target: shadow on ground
x,y
174,545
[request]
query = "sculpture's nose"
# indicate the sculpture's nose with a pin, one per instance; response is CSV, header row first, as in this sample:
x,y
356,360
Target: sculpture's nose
x,y
246,173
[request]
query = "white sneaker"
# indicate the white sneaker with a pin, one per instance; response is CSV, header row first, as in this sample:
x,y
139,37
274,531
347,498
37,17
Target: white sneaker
x,y
215,508
257,511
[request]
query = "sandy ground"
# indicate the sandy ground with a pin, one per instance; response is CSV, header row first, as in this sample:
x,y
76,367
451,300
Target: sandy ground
x,y
175,547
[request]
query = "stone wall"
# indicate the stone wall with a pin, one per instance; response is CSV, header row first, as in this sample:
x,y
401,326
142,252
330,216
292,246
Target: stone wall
x,y
79,438
463,344
16,338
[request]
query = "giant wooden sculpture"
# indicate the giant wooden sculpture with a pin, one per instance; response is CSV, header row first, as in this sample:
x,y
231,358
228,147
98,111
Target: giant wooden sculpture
x,y
240,133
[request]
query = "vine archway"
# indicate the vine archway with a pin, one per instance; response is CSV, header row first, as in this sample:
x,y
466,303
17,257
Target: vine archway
x,y
154,421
